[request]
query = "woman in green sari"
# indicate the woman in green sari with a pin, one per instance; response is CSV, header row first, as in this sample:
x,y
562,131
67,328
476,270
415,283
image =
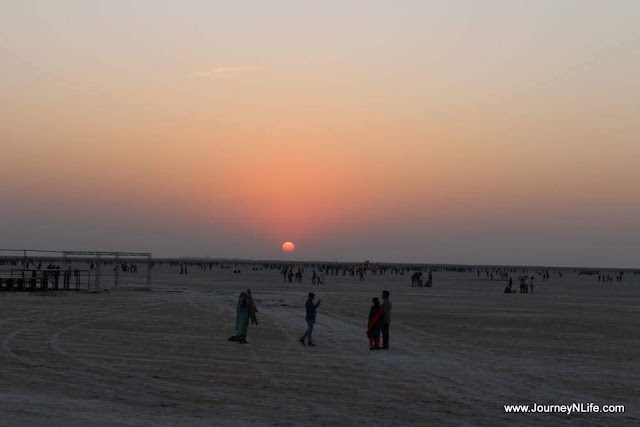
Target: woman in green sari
x,y
242,318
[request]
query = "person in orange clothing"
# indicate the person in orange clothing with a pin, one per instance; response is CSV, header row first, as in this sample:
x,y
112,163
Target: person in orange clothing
x,y
374,325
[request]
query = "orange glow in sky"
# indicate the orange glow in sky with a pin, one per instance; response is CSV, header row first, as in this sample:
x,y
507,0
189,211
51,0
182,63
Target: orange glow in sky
x,y
401,131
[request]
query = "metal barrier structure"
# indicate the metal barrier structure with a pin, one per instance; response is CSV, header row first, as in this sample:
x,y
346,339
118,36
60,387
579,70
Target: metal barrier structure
x,y
115,257
40,280
99,260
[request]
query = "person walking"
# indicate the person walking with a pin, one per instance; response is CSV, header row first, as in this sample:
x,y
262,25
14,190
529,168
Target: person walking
x,y
386,319
311,308
374,325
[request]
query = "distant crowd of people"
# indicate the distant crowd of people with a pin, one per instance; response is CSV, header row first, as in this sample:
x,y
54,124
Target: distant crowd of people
x,y
526,285
319,273
417,281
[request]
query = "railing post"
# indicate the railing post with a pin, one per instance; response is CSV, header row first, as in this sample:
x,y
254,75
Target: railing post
x,y
116,270
149,266
98,271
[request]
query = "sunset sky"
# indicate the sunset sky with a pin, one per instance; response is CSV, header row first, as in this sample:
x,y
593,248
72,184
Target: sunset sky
x,y
501,132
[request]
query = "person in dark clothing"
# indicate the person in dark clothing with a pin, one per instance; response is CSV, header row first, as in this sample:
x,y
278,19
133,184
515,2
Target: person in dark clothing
x,y
252,308
374,325
507,289
311,319
386,319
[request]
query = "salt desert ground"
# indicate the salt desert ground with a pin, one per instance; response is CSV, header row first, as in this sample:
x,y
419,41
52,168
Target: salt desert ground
x,y
460,351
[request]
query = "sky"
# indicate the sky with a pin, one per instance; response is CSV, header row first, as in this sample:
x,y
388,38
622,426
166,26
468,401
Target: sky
x,y
459,131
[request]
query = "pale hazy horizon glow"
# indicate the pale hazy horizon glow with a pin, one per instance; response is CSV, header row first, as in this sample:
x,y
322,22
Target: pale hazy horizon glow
x,y
480,132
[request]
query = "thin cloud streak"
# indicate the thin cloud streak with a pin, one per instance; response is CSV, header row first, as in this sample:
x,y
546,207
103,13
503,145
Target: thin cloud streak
x,y
225,70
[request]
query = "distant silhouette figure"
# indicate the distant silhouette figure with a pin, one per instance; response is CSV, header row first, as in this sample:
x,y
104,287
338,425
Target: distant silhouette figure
x,y
507,289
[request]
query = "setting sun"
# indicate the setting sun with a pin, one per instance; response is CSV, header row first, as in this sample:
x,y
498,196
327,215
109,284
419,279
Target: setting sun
x,y
288,246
